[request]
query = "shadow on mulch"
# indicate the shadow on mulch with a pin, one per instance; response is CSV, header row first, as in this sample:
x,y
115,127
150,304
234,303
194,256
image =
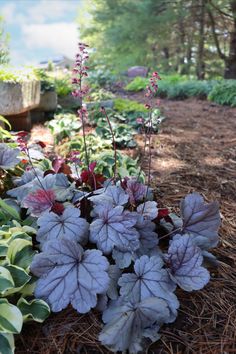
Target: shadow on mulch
x,y
194,152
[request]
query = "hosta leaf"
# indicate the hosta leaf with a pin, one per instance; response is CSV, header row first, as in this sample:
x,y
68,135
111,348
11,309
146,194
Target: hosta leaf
x,y
201,220
36,310
7,344
19,276
10,211
8,157
20,253
149,280
126,323
148,210
68,225
185,261
11,319
6,280
3,250
70,275
114,227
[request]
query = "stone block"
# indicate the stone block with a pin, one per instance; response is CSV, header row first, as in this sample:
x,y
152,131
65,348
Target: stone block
x,y
48,102
69,102
17,98
20,121
137,71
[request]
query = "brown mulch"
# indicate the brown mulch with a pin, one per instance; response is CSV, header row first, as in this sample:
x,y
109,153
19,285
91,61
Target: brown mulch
x,y
195,151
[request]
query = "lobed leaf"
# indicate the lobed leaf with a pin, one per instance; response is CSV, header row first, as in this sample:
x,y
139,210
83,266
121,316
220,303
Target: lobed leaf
x,y
185,261
200,220
68,274
57,227
114,227
127,323
149,279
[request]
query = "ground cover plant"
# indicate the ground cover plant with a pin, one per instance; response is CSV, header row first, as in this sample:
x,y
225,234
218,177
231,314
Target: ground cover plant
x,y
180,87
105,243
11,75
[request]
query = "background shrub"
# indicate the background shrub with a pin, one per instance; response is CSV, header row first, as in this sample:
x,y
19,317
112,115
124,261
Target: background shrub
x,y
224,93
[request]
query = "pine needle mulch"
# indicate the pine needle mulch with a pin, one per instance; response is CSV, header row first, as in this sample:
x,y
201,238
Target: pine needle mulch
x,y
195,151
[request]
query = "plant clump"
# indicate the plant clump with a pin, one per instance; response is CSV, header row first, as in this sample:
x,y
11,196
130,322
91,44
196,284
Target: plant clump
x,y
72,234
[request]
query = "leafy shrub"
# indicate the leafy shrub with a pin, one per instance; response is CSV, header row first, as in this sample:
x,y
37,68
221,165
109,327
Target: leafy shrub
x,y
122,132
193,88
224,93
137,84
125,105
126,165
101,95
63,85
95,144
47,83
101,77
64,125
12,75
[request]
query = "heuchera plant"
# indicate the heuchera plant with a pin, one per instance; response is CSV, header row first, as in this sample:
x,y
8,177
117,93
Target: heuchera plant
x,y
106,244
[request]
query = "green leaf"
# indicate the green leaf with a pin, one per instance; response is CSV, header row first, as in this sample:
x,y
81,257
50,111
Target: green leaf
x,y
20,278
4,120
7,344
11,319
6,280
3,250
9,210
28,289
20,253
36,310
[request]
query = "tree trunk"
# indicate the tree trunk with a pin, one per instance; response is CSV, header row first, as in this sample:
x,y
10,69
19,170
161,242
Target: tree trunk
x,y
200,69
230,61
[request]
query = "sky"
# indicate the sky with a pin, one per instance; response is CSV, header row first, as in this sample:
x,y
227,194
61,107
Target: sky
x,y
40,29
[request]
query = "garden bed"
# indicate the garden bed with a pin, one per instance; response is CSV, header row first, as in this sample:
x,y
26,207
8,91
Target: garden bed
x,y
194,152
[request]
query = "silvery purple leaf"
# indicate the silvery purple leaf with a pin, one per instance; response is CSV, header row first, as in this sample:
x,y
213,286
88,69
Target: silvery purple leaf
x,y
112,194
185,261
136,191
8,156
149,280
39,201
102,301
123,259
28,176
148,238
200,220
148,210
114,227
128,323
56,227
68,274
114,273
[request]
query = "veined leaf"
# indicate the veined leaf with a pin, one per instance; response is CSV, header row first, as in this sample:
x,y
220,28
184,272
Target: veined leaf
x,y
68,274
185,261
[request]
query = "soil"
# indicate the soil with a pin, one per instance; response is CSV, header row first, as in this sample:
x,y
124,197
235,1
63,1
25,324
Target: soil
x,y
195,151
